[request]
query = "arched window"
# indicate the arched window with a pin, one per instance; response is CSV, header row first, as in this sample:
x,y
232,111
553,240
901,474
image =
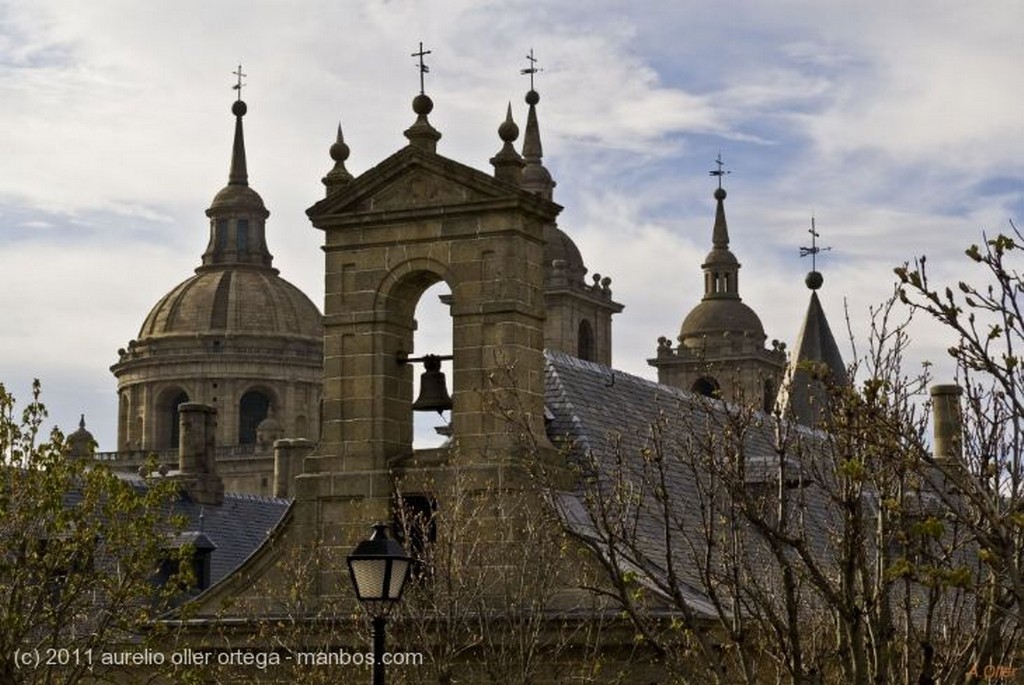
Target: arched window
x,y
123,412
170,412
585,341
706,386
252,409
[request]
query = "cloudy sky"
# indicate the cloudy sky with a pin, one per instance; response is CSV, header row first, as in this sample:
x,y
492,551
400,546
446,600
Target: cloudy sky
x,y
898,126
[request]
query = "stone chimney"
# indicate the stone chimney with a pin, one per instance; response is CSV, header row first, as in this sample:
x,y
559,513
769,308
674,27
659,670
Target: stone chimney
x,y
288,456
946,423
197,469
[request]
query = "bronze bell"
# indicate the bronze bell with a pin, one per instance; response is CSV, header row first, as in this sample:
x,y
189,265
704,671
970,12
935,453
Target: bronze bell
x,y
433,389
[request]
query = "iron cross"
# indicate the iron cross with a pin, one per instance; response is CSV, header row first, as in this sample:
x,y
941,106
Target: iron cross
x,y
239,85
719,172
813,250
424,69
532,69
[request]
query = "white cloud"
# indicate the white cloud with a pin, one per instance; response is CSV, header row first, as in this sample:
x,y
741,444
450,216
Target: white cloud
x,y
884,124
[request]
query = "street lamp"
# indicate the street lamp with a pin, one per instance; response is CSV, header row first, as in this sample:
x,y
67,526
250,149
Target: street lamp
x,y
379,568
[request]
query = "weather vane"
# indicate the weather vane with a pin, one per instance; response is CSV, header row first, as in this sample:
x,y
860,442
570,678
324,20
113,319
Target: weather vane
x,y
532,69
424,69
719,172
813,250
239,85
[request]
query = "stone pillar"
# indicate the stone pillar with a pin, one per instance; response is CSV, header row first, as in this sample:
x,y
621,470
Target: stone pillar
x,y
288,456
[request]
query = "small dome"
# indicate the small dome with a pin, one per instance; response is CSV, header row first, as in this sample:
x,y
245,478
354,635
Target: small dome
x,y
561,247
237,198
718,316
234,301
81,442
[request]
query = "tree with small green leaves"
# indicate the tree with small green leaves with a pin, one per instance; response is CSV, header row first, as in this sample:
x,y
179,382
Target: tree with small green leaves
x,y
80,548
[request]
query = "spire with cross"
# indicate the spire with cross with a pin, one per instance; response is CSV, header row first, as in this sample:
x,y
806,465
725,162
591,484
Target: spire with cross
x,y
532,69
423,68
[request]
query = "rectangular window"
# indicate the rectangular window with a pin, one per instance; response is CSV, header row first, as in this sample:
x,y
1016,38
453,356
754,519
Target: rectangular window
x,y
222,233
243,235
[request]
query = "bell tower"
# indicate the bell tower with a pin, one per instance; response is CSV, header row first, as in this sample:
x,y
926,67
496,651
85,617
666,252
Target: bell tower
x,y
721,351
413,220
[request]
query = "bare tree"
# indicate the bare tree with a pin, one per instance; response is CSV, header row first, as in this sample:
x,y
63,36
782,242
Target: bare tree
x,y
744,548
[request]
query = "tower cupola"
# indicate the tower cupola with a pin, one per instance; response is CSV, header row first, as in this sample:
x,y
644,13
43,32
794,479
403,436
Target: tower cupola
x,y
237,213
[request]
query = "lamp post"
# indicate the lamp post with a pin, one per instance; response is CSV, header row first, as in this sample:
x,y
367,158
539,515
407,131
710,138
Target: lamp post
x,y
379,568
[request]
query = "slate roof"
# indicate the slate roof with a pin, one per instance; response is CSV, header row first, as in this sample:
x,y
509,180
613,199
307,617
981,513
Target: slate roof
x,y
232,530
236,528
616,426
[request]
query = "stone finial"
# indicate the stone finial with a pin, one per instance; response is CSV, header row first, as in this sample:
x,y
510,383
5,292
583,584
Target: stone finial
x,y
337,177
421,134
508,164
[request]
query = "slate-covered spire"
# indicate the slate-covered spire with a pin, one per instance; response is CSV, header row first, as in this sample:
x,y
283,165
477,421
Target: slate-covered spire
x,y
508,164
237,213
816,363
337,177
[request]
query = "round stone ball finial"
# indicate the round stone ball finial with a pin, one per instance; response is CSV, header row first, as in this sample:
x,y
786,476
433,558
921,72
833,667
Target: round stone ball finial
x,y
532,97
508,131
239,108
422,104
339,151
814,280
720,193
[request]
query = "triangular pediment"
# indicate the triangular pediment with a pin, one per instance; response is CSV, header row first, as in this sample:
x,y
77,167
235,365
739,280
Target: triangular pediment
x,y
413,179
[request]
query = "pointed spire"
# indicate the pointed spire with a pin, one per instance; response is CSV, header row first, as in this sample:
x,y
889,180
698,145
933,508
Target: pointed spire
x,y
421,134
816,361
536,178
339,175
720,233
721,269
239,174
237,213
508,164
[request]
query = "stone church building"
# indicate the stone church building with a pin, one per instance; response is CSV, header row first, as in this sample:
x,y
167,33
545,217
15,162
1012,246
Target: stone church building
x,y
241,385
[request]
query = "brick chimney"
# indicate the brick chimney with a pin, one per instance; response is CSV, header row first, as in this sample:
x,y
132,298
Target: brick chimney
x,y
197,469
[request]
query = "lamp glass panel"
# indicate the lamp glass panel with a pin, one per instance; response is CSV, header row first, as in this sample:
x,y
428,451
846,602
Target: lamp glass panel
x,y
398,571
369,577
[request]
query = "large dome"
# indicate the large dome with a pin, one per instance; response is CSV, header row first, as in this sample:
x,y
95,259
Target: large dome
x,y
559,246
718,316
234,301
